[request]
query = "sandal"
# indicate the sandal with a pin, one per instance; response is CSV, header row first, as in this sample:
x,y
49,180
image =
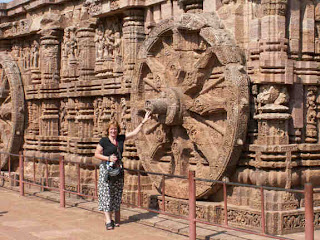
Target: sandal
x,y
115,224
109,226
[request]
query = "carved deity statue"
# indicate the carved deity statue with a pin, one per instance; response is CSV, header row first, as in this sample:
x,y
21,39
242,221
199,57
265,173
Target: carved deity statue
x,y
35,54
124,109
109,43
63,118
27,56
98,107
70,44
99,40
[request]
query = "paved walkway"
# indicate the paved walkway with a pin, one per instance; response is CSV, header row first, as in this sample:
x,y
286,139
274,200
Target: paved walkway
x,y
31,218
39,216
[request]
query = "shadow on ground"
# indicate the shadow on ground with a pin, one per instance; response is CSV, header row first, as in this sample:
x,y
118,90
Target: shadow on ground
x,y
2,213
139,216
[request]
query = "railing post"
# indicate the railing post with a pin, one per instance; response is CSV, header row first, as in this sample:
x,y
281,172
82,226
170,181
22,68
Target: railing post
x,y
47,174
139,190
21,173
225,203
263,215
192,206
9,169
79,179
163,189
95,181
309,217
62,182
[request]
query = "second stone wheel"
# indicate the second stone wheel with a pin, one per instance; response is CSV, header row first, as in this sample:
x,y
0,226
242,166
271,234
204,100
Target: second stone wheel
x,y
11,108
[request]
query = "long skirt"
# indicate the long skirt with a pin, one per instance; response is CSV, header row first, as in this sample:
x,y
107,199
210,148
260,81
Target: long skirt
x,y
110,191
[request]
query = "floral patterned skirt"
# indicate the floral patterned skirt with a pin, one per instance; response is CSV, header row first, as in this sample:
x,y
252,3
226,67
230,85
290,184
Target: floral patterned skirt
x,y
110,192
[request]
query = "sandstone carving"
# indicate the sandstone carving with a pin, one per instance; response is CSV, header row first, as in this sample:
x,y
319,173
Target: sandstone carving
x,y
233,86
199,99
12,107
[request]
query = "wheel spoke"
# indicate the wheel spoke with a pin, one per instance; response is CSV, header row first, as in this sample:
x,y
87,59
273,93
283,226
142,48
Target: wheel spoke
x,y
151,84
209,123
155,66
211,84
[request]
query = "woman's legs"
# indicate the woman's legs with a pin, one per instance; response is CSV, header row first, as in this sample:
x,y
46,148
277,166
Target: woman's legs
x,y
108,216
117,218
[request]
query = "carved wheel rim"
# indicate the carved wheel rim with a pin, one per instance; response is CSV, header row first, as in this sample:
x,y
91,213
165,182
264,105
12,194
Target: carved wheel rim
x,y
193,64
11,108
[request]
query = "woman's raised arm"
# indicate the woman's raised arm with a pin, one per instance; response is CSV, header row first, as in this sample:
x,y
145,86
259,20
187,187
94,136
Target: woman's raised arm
x,y
138,129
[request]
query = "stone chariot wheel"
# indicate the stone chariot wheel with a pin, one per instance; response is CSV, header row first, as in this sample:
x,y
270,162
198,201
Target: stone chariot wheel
x,y
11,108
190,74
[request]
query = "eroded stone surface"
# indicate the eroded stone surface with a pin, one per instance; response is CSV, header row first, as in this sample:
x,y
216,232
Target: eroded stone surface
x,y
234,87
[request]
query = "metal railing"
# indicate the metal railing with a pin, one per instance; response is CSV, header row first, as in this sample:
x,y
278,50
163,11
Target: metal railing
x,y
307,192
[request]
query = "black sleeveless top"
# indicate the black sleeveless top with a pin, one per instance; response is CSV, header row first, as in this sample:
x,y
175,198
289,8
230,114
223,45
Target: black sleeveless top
x,y
109,148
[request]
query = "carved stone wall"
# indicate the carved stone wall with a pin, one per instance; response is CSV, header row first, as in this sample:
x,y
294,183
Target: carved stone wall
x,y
233,86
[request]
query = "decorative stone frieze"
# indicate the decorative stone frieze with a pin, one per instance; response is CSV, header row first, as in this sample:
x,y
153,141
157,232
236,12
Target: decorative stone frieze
x,y
233,87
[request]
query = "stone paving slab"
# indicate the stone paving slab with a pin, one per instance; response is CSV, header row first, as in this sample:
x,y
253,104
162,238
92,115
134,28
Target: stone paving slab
x,y
157,221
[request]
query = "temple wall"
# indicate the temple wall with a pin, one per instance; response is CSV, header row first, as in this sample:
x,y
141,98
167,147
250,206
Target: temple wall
x,y
84,63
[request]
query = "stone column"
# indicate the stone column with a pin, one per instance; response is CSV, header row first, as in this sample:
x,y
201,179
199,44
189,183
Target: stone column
x,y
272,115
84,118
50,56
308,30
49,126
71,118
133,36
192,6
86,48
33,120
317,32
294,28
273,42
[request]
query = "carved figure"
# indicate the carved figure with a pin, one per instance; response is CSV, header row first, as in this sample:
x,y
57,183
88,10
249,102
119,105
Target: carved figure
x,y
124,109
113,108
63,118
35,54
100,42
98,110
109,43
273,95
26,54
70,44
93,6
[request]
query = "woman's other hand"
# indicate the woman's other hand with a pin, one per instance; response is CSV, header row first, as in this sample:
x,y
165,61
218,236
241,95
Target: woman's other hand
x,y
113,158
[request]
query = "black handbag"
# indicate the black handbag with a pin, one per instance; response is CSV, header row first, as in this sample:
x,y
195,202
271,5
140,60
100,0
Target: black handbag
x,y
116,170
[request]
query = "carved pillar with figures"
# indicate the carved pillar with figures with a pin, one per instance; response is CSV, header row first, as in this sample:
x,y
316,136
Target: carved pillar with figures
x,y
50,56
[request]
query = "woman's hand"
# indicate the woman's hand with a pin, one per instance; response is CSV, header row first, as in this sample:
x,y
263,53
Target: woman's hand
x,y
113,158
137,129
146,117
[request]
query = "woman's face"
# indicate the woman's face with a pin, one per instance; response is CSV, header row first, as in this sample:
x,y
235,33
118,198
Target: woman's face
x,y
113,131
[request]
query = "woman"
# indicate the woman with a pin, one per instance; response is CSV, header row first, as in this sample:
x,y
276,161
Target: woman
x,y
109,150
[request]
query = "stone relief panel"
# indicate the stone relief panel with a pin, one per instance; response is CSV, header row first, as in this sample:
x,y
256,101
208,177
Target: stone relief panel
x,y
15,28
311,115
272,115
77,74
27,55
69,55
93,7
109,48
